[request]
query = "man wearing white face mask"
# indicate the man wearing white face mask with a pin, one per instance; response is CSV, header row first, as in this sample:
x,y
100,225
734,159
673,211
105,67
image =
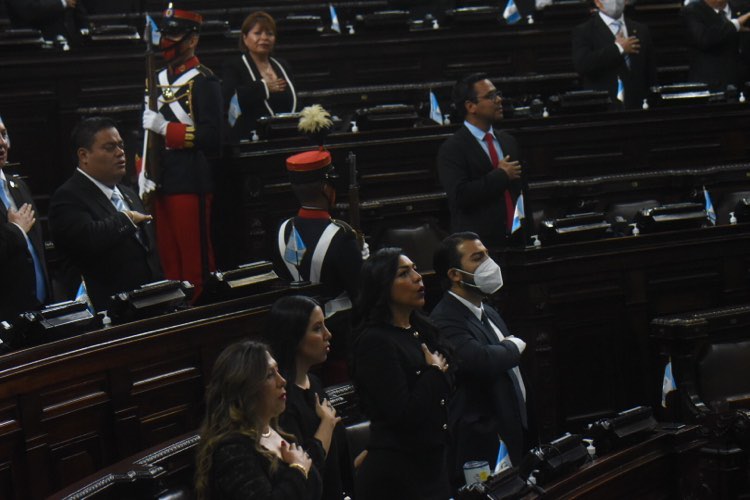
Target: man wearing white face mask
x,y
615,54
490,401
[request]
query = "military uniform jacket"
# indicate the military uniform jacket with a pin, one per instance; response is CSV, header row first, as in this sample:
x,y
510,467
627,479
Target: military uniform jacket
x,y
190,100
341,262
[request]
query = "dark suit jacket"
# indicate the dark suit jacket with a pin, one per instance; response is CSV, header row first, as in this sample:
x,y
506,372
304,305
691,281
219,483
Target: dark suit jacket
x,y
100,241
48,16
715,47
599,62
476,190
485,404
17,275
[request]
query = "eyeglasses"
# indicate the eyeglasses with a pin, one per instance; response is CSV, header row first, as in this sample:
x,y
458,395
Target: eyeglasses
x,y
492,96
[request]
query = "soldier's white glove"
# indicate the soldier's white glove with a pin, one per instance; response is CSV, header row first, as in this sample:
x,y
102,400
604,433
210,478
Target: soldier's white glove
x,y
365,251
155,122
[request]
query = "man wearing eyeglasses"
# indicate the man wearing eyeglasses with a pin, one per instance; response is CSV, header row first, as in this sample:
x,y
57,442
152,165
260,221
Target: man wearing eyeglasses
x,y
479,167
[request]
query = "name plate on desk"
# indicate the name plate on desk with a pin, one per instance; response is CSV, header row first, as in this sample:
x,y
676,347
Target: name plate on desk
x,y
245,280
150,300
574,228
671,217
54,322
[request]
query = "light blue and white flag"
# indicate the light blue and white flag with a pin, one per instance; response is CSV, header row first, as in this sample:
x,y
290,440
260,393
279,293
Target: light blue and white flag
x,y
155,33
295,248
82,295
668,385
518,215
234,110
503,459
335,26
620,90
710,213
511,13
435,114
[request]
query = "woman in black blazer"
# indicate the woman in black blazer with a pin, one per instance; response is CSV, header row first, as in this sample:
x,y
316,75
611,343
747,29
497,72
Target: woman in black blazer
x,y
254,84
401,374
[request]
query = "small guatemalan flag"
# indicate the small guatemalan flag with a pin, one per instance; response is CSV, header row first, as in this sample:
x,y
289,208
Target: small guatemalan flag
x,y
518,215
155,33
710,213
503,459
234,110
435,114
335,26
295,248
620,90
511,13
668,385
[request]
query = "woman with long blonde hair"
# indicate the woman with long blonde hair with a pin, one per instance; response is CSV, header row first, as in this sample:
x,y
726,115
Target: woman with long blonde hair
x,y
243,453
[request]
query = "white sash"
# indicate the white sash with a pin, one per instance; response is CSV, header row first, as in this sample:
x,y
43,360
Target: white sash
x,y
179,112
320,251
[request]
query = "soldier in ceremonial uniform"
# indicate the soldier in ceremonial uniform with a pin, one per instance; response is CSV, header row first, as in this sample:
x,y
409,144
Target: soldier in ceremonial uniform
x,y
189,118
314,247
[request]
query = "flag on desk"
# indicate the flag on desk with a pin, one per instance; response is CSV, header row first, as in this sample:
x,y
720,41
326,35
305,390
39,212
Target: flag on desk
x,y
668,385
335,26
620,90
234,110
155,33
511,13
710,213
518,215
435,114
503,459
82,295
295,248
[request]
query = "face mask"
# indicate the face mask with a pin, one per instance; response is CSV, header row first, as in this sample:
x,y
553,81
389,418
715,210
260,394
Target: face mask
x,y
613,8
488,278
171,48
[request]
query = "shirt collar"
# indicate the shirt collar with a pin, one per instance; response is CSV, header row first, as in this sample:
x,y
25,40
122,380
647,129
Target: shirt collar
x,y
726,10
608,20
313,213
476,311
478,132
102,187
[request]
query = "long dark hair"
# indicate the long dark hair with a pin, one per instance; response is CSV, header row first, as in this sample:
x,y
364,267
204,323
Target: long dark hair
x,y
373,304
285,327
232,399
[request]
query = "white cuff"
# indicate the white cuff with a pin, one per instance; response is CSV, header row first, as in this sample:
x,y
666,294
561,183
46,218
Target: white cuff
x,y
619,47
736,24
65,4
519,343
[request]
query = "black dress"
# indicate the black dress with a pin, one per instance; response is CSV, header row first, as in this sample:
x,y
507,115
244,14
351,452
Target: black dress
x,y
406,401
241,78
300,419
239,472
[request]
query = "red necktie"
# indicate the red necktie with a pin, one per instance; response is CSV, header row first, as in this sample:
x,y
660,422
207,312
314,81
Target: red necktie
x,y
509,208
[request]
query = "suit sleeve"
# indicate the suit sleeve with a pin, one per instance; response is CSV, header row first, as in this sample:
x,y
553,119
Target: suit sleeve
x,y
475,357
12,240
454,170
77,232
705,35
590,58
381,375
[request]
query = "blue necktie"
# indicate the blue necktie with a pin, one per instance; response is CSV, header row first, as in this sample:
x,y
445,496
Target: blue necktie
x,y
41,288
117,201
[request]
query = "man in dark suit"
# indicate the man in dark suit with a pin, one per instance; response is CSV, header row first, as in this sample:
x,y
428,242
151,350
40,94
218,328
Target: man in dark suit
x,y
716,43
100,226
478,167
490,399
52,17
24,285
609,49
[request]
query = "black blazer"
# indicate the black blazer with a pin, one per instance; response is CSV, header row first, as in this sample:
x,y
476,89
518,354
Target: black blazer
x,y
253,96
100,241
715,47
476,190
485,404
599,62
17,275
